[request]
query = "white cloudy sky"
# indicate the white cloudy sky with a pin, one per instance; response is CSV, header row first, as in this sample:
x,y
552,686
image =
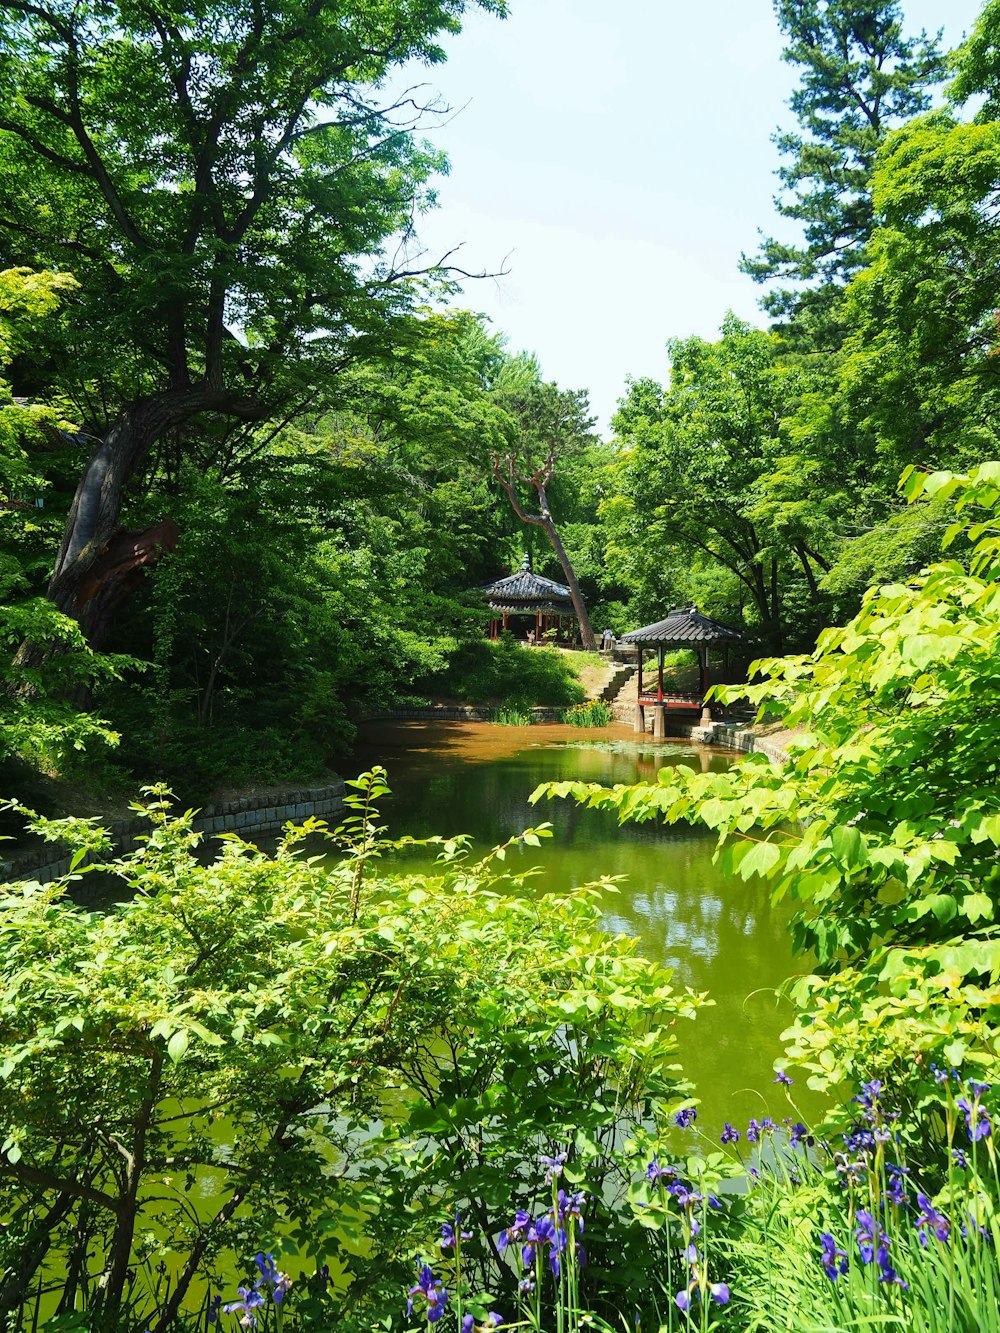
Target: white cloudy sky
x,y
615,158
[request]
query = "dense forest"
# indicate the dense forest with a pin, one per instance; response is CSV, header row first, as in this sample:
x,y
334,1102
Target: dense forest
x,y
257,461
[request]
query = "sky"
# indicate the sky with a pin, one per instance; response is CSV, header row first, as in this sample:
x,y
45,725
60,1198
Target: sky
x,y
614,159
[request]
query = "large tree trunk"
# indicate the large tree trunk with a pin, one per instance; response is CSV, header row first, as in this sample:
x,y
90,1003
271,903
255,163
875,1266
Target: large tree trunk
x,y
99,564
544,520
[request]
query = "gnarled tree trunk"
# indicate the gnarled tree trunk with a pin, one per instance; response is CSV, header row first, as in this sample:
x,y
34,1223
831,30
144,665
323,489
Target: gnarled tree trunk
x,y
99,563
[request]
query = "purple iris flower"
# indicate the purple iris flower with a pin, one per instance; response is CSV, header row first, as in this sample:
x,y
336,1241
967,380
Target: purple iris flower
x,y
549,1236
895,1190
886,1272
929,1217
978,1089
271,1275
250,1301
685,1117
570,1205
514,1232
753,1131
213,1309
977,1119
865,1235
729,1135
433,1291
553,1166
834,1260
657,1172
452,1235
783,1078
960,1159
799,1134
468,1323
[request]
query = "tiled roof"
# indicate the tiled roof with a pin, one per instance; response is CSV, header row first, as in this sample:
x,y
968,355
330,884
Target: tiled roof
x,y
683,625
524,588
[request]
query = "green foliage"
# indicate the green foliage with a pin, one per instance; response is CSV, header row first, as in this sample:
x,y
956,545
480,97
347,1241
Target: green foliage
x,y
502,670
707,484
39,720
860,76
883,827
253,1047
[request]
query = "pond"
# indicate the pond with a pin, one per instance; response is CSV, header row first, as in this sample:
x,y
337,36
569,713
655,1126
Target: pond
x,y
714,932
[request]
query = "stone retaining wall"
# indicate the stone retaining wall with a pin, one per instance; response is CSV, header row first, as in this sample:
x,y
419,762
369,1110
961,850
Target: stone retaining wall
x,y
726,735
246,815
455,713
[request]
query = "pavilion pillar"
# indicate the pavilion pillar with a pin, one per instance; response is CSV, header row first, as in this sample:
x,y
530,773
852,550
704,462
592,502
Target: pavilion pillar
x,y
660,721
505,622
660,654
640,719
640,669
706,711
538,626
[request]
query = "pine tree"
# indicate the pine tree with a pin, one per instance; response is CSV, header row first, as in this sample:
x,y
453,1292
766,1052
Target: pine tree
x,y
860,78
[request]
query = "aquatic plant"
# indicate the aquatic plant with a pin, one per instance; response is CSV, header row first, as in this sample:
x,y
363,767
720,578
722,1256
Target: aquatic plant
x,y
593,713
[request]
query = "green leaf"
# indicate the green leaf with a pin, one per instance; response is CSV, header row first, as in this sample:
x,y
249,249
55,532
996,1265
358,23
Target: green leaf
x,y
177,1045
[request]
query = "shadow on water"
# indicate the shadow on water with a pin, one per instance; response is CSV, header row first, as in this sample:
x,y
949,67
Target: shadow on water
x,y
716,933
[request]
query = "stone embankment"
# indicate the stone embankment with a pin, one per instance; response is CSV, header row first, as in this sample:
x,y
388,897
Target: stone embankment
x,y
247,814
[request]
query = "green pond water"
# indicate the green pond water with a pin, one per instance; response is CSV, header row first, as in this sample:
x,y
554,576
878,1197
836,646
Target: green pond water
x,y
716,933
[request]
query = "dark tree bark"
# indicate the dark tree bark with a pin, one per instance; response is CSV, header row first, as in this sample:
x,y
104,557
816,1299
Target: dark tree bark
x,y
99,563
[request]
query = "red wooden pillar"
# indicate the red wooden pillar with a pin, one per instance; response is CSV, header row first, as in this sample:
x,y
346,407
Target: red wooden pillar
x,y
640,669
660,653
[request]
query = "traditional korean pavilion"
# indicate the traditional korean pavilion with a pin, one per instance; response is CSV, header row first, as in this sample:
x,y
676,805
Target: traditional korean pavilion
x,y
528,595
684,627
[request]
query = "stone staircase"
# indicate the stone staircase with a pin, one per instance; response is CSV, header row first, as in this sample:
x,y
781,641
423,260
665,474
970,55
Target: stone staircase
x,y
620,676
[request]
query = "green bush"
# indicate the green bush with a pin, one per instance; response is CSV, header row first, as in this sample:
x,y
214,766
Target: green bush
x,y
272,1049
502,671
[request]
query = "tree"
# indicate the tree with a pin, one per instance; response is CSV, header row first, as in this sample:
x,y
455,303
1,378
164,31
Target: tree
x,y
709,474
550,424
39,722
860,77
225,182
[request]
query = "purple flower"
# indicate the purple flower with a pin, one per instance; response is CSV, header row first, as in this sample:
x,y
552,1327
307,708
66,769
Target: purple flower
x,y
799,1134
895,1191
978,1089
753,1131
929,1217
886,1272
433,1291
685,1117
977,1118
570,1205
783,1078
250,1301
683,1300
553,1166
514,1232
834,1260
468,1323
729,1135
719,1293
270,1274
656,1172
960,1159
865,1235
213,1309
452,1235
767,1125
544,1234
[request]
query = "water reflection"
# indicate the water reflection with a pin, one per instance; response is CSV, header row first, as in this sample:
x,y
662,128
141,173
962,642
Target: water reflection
x,y
717,934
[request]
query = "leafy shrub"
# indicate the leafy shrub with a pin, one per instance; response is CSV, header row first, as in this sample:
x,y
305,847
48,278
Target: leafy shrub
x,y
268,1046
501,670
